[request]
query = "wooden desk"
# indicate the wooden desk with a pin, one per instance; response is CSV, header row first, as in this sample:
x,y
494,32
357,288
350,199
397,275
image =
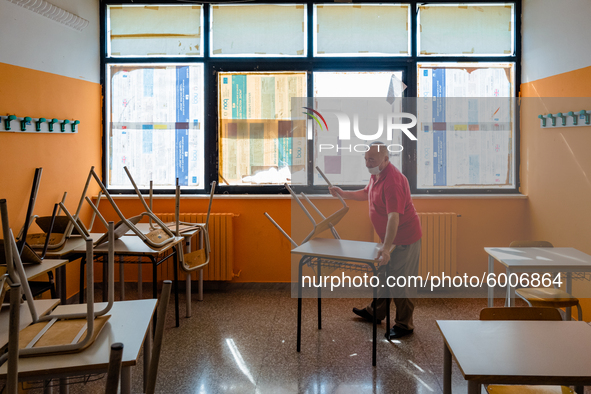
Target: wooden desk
x,y
517,260
129,324
133,246
336,250
517,352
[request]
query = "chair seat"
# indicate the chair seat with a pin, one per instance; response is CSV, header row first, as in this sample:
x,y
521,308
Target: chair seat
x,y
547,296
194,260
502,389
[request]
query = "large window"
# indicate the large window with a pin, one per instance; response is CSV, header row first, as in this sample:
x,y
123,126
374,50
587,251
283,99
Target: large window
x,y
210,92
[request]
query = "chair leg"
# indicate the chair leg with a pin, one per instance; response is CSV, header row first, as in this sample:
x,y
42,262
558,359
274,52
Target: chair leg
x,y
580,312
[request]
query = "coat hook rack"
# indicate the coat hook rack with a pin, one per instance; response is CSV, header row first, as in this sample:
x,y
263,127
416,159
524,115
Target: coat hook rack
x,y
27,124
565,119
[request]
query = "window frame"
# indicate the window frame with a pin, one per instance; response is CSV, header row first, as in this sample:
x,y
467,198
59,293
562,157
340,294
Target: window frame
x,y
214,64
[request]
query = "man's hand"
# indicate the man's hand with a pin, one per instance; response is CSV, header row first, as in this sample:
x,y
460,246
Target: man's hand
x,y
335,191
383,256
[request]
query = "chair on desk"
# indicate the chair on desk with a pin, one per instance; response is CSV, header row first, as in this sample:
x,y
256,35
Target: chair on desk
x,y
199,258
523,313
54,333
546,296
327,223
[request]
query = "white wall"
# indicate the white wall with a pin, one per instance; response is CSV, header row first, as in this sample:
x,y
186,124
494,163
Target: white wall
x,y
555,37
30,40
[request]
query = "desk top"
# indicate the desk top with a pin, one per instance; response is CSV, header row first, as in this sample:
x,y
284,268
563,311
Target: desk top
x,y
563,258
42,306
128,324
71,243
515,351
186,231
130,246
339,249
34,271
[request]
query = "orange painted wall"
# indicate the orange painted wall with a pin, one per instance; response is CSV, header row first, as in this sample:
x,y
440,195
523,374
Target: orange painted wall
x,y
65,159
557,166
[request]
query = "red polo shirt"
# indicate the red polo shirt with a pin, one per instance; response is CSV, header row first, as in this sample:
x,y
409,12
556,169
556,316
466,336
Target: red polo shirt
x,y
391,193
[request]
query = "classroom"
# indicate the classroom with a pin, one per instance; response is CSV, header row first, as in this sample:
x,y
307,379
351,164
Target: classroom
x,y
233,145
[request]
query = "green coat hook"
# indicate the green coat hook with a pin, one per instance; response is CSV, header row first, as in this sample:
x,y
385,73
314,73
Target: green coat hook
x,y
74,123
583,112
63,125
51,122
575,117
7,121
26,119
563,117
550,116
38,124
543,120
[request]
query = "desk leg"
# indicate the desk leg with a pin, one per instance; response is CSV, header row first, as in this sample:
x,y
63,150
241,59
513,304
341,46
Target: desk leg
x,y
140,284
147,354
125,380
318,262
154,288
81,291
569,290
105,276
299,334
580,389
446,370
388,318
154,278
175,269
188,281
510,291
64,386
47,387
121,278
61,281
491,290
200,285
375,329
474,387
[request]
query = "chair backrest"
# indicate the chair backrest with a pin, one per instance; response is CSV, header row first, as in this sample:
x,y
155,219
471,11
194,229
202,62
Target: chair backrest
x,y
520,313
114,371
531,244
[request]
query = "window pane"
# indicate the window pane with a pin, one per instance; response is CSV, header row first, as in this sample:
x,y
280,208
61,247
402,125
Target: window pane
x,y
257,143
361,30
367,94
156,124
462,29
154,30
258,30
466,121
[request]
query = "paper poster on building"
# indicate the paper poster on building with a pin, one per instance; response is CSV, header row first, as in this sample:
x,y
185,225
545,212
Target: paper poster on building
x,y
465,120
156,127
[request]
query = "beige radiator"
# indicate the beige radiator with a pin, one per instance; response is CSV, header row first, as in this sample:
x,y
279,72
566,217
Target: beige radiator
x,y
221,261
438,245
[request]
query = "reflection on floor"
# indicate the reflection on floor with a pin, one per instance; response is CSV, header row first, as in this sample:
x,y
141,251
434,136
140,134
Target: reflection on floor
x,y
243,340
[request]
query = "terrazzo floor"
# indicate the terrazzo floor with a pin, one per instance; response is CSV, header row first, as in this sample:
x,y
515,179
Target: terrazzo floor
x,y
242,339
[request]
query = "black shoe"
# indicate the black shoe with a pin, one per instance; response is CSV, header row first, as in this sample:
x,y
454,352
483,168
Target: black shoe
x,y
397,332
363,313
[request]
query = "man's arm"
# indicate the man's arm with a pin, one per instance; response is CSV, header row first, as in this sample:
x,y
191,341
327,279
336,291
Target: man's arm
x,y
391,230
358,195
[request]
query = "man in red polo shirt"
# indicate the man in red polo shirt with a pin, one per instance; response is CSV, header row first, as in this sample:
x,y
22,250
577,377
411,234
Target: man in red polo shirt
x,y
395,220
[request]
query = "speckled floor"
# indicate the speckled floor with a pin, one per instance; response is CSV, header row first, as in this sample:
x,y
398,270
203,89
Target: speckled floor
x,y
242,339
